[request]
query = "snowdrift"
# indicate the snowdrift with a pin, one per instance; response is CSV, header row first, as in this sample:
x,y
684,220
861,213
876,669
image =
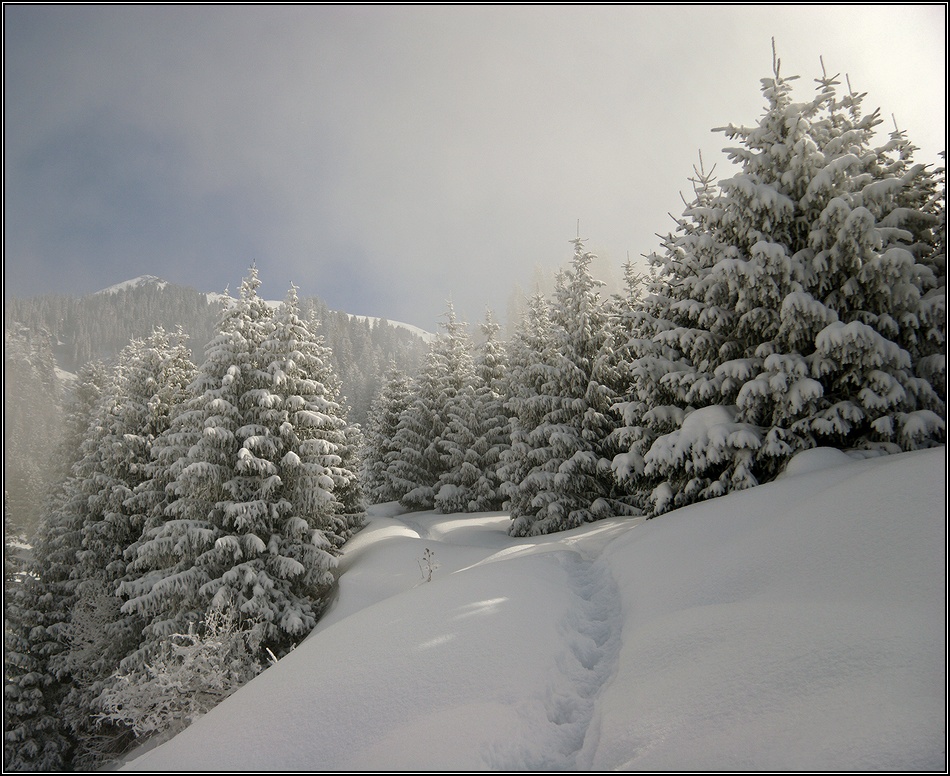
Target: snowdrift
x,y
800,625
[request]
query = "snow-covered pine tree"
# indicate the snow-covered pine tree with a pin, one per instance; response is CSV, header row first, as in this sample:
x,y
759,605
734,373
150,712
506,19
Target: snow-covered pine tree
x,y
350,494
283,518
259,498
676,325
800,298
34,738
196,457
36,617
420,435
32,421
379,449
149,379
461,461
477,434
491,367
530,354
621,346
570,480
932,367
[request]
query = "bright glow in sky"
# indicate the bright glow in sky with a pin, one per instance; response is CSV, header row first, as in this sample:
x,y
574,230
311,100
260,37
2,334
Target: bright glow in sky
x,y
389,158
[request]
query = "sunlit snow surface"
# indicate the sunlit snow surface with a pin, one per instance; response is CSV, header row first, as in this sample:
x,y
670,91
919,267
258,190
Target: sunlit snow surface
x,y
800,625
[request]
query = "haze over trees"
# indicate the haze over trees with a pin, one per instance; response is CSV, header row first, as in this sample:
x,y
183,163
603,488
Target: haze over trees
x,y
48,339
799,303
34,399
196,497
189,527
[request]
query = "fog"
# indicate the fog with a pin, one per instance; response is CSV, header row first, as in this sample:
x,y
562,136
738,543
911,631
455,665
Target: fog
x,y
391,158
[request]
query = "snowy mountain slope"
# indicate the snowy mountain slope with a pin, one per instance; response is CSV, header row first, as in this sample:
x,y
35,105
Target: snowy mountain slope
x,y
219,298
142,280
427,336
798,625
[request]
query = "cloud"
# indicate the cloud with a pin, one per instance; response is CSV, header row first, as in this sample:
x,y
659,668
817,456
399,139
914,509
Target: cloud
x,y
390,157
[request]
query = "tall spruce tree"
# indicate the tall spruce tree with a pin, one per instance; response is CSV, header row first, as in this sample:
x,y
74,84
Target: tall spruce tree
x,y
567,453
258,496
421,432
380,450
37,614
149,379
176,558
530,353
477,434
801,297
461,458
284,519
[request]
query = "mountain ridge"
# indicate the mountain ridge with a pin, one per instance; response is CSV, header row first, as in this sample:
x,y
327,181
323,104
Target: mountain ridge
x,y
215,297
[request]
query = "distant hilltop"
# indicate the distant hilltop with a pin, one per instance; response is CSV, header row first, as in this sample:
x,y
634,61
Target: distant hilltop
x,y
215,297
142,280
96,326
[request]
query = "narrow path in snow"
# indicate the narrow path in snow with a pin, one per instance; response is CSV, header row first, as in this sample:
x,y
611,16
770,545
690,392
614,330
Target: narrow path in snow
x,y
590,633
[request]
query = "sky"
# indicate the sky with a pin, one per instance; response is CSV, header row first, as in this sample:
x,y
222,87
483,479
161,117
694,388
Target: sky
x,y
796,626
392,159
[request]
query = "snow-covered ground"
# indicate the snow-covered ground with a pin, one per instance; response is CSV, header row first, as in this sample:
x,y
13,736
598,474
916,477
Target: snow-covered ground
x,y
800,625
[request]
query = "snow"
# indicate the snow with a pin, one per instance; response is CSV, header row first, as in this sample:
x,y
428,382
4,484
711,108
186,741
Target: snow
x,y
426,336
228,300
143,280
798,625
816,460
65,377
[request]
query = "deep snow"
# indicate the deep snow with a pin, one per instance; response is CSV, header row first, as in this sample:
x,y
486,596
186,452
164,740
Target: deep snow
x,y
800,625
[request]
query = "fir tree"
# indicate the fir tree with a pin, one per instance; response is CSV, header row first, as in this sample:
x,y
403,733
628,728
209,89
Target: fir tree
x,y
259,497
34,738
380,450
461,459
37,615
530,356
196,459
420,435
802,295
284,518
567,451
477,434
93,636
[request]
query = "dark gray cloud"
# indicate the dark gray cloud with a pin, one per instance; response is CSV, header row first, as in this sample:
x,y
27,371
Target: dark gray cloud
x,y
388,158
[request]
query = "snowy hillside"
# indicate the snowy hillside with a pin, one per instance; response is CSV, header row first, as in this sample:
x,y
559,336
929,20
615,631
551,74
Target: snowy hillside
x,y
143,280
427,336
217,297
800,625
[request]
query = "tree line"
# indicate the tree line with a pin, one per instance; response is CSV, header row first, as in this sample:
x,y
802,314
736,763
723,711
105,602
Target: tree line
x,y
204,502
47,337
799,303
